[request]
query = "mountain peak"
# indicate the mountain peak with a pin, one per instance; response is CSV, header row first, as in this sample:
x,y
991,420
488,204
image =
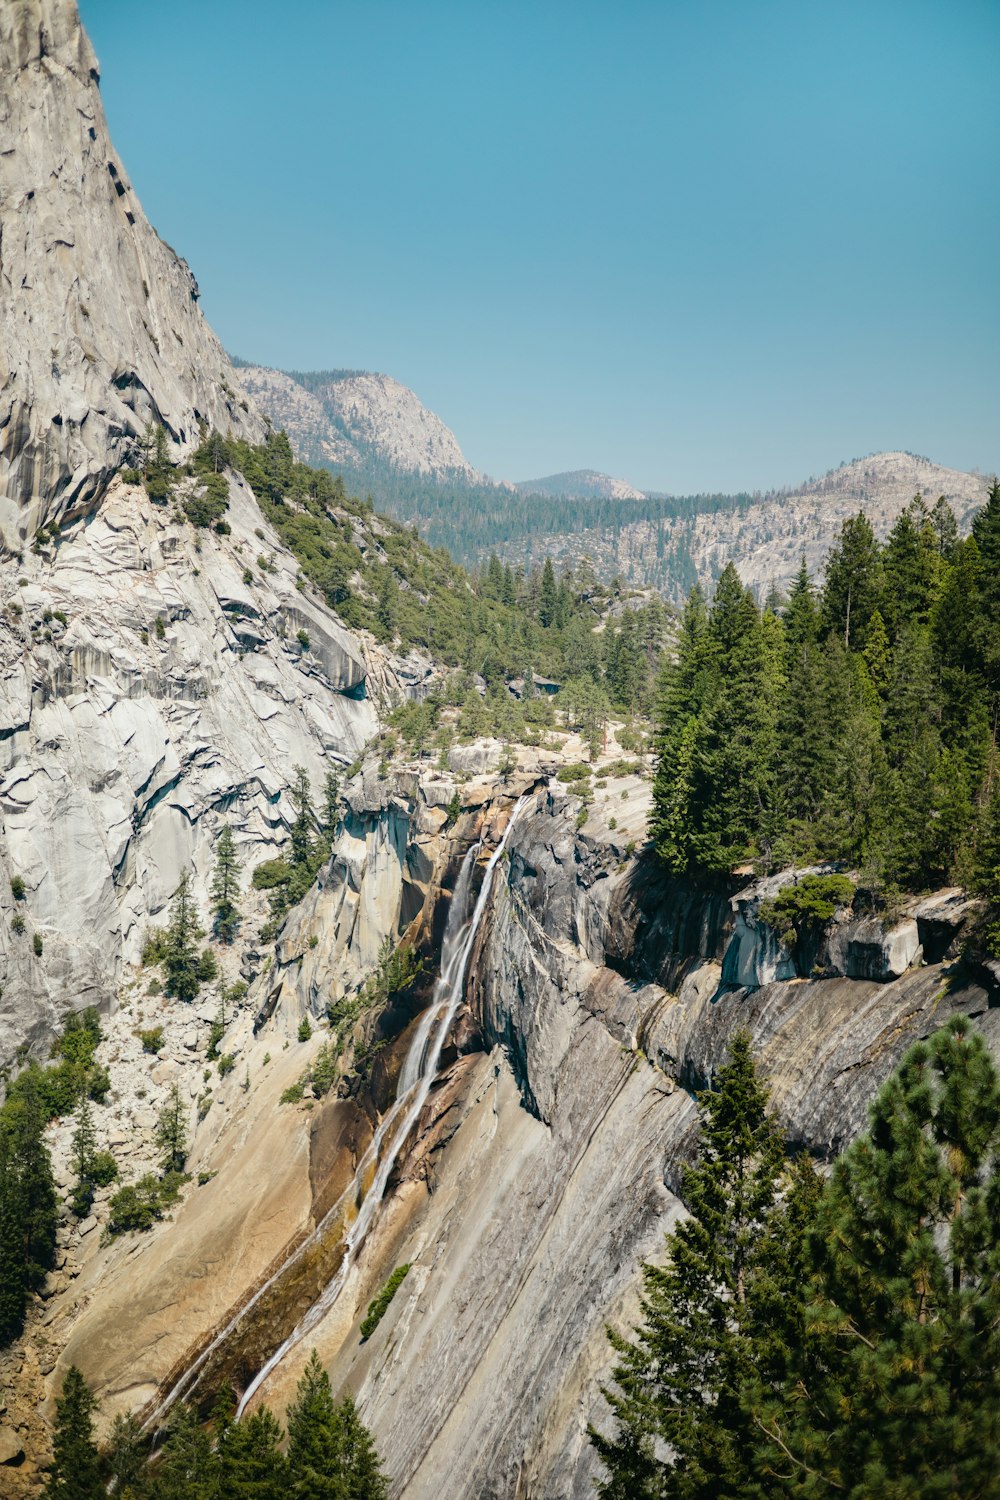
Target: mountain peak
x,y
356,419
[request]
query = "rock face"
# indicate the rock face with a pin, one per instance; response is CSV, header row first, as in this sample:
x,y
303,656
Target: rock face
x,y
152,686
353,420
547,1161
100,328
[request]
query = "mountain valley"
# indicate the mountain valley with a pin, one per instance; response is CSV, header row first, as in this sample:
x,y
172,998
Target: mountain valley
x,y
373,931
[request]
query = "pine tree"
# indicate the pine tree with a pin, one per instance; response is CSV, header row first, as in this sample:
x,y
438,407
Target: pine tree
x,y
302,828
126,1456
172,1133
681,1382
853,581
250,1463
910,568
181,962
901,1392
75,1472
226,886
986,532
359,1464
331,1455
313,1449
945,528
188,1469
548,597
84,1149
331,803
28,1207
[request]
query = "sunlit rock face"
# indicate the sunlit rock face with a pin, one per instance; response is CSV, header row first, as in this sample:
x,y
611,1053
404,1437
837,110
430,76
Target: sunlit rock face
x,y
100,327
148,694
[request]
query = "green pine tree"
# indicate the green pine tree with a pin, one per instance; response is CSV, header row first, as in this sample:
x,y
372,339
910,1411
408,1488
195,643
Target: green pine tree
x,y
126,1457
84,1150
181,964
75,1471
853,583
188,1468
548,596
172,1132
302,828
897,1392
331,1455
28,1207
249,1460
226,886
331,803
680,1383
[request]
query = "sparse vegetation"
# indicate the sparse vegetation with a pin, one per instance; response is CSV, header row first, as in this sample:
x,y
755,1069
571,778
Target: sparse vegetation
x,y
378,1305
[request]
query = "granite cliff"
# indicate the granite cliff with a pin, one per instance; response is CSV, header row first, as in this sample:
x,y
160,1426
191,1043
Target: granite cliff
x,y
546,1159
100,328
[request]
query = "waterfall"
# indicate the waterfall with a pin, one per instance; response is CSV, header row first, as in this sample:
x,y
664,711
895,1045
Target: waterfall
x,y
418,1073
416,1076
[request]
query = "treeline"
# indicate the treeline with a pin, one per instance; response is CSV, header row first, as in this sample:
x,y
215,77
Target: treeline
x,y
471,519
329,1454
857,722
837,1337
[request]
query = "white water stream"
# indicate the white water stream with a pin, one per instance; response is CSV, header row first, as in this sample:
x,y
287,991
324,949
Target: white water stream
x,y
416,1077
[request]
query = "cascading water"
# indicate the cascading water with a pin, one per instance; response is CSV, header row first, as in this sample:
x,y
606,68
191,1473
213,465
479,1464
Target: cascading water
x,y
415,1079
418,1073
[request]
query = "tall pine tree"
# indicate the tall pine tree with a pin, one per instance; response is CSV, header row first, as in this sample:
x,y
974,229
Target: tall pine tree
x,y
680,1383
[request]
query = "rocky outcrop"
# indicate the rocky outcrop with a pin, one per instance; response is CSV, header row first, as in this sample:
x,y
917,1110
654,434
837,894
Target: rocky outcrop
x,y
352,420
152,687
100,328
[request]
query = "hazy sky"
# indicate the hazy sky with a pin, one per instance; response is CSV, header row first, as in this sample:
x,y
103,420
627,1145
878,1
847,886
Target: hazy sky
x,y
700,244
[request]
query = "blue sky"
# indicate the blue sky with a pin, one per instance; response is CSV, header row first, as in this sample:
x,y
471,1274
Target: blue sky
x,y
701,244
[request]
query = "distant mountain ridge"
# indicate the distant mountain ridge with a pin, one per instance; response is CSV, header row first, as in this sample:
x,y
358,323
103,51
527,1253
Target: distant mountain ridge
x,y
582,484
387,443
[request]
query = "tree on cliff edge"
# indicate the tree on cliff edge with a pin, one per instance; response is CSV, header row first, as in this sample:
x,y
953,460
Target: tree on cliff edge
x,y
680,1382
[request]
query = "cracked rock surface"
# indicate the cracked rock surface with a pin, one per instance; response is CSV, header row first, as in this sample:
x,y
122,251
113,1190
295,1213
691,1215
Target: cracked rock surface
x,y
100,327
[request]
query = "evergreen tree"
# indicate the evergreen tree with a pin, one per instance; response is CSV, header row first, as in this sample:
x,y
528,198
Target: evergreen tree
x,y
331,1455
127,1457
172,1132
387,606
28,1209
853,581
302,828
900,1395
188,1469
986,532
945,528
548,597
226,886
801,618
331,802
84,1150
910,567
681,1382
75,1472
181,965
249,1460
